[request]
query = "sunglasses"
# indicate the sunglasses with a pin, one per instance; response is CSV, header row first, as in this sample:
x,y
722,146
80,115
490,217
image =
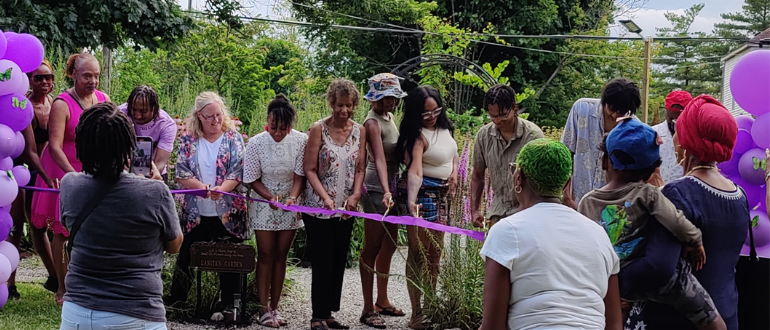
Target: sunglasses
x,y
434,113
42,77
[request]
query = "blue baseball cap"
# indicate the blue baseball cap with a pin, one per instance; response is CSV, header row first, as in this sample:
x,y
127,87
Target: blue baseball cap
x,y
637,140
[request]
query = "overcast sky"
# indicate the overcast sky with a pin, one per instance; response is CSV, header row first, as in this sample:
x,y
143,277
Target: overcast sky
x,y
649,17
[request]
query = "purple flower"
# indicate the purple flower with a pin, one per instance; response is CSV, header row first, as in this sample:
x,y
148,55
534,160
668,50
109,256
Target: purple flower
x,y
466,210
490,195
462,169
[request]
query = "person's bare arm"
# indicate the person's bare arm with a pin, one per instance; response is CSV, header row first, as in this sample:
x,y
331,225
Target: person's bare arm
x,y
613,314
30,155
191,183
453,176
296,188
226,186
310,165
358,179
414,176
374,138
161,158
497,294
57,123
477,189
173,246
107,98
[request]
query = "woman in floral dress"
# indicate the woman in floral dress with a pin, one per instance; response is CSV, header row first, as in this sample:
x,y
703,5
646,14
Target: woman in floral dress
x,y
334,164
273,168
210,157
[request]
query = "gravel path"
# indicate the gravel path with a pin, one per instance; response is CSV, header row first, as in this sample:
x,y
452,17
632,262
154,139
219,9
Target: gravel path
x,y
295,305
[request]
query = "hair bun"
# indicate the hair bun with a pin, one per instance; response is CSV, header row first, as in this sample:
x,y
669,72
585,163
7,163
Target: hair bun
x,y
279,101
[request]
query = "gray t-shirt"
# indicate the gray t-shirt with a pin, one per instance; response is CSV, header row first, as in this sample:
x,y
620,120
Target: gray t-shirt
x,y
118,253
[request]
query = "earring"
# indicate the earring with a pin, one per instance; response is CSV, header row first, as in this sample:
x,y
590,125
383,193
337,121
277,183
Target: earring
x,y
517,190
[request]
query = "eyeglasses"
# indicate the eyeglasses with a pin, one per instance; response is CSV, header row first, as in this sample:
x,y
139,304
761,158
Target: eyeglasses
x,y
209,118
434,113
499,116
42,77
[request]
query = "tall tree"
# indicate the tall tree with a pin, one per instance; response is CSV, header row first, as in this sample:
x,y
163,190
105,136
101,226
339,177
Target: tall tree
x,y
753,19
74,24
689,65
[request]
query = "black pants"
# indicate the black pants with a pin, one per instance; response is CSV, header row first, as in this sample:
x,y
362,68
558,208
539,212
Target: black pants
x,y
328,242
209,229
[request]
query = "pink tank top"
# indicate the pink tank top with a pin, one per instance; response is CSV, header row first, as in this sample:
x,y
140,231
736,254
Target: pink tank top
x,y
68,145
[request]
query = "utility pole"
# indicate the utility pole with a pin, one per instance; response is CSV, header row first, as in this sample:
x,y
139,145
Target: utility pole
x,y
646,77
107,71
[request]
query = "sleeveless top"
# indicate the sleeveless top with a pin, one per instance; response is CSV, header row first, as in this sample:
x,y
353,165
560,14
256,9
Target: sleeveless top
x,y
437,159
336,168
41,134
389,136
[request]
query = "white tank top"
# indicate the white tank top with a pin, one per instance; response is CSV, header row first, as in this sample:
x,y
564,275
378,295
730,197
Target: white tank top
x,y
437,158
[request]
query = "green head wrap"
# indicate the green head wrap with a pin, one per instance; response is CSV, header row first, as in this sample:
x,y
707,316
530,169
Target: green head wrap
x,y
546,165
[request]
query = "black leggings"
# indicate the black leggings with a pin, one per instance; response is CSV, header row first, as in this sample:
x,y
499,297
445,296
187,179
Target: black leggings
x,y
328,242
209,229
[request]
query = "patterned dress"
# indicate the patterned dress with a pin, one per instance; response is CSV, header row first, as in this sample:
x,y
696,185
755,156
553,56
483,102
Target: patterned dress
x,y
583,133
336,169
274,163
229,166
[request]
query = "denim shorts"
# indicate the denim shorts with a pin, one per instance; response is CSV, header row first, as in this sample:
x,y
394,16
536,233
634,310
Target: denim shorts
x,y
74,317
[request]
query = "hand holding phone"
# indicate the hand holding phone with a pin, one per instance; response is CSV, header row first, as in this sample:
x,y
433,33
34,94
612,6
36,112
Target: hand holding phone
x,y
141,163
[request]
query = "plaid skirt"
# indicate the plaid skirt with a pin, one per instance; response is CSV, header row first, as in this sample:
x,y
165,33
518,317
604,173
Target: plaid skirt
x,y
433,196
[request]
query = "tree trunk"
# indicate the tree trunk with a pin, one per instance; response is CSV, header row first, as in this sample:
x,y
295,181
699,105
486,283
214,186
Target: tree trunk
x,y
106,79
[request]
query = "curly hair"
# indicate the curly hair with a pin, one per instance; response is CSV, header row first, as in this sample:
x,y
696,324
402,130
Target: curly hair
x,y
621,96
105,141
546,165
343,87
502,95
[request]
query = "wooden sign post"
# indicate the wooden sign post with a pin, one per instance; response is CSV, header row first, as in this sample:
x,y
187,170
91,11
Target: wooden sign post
x,y
223,257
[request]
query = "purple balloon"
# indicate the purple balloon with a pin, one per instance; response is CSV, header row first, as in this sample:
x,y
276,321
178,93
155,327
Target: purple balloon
x,y
23,87
11,79
17,111
7,142
760,131
3,295
26,50
3,44
743,143
6,208
749,82
755,193
6,223
5,269
11,252
21,173
730,167
9,189
761,228
6,163
20,144
744,122
750,166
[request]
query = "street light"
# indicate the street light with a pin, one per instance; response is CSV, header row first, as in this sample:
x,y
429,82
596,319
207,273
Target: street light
x,y
633,28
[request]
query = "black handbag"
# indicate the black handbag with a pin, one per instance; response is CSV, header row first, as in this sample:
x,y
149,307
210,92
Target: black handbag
x,y
752,278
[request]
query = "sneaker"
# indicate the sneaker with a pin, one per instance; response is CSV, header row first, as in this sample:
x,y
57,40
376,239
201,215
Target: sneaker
x,y
13,294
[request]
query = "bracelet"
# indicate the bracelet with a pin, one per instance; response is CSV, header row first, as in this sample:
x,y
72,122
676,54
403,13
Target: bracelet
x,y
291,197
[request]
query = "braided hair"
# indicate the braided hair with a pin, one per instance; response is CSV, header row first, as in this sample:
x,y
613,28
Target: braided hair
x,y
105,141
621,96
546,165
502,95
149,95
282,111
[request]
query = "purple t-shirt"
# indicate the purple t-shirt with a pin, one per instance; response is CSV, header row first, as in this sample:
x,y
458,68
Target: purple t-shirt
x,y
162,130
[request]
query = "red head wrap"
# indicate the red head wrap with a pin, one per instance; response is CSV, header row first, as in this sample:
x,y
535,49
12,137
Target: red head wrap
x,y
677,97
707,130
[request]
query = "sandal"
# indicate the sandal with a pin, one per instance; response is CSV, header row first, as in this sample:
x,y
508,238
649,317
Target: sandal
x,y
390,311
319,324
268,320
373,320
334,324
419,323
281,321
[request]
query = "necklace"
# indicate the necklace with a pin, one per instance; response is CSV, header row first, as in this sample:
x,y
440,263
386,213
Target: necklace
x,y
701,167
77,97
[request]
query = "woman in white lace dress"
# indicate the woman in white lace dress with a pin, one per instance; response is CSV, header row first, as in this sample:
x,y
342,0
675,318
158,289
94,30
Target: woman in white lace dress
x,y
273,168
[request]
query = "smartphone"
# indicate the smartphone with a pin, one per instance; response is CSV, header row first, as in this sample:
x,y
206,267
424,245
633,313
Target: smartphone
x,y
142,161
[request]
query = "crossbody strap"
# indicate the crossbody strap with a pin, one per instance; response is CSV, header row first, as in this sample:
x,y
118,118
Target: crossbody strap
x,y
753,252
104,188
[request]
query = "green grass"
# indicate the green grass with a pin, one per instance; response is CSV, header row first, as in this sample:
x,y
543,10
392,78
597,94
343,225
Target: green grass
x,y
35,311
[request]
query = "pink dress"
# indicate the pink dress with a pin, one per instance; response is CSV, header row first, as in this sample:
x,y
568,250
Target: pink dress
x,y
45,205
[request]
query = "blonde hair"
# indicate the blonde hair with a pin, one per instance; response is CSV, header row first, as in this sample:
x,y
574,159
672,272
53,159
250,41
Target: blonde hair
x,y
75,61
343,87
193,124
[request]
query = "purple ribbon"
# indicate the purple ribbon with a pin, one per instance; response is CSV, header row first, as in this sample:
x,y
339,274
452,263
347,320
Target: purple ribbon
x,y
399,220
